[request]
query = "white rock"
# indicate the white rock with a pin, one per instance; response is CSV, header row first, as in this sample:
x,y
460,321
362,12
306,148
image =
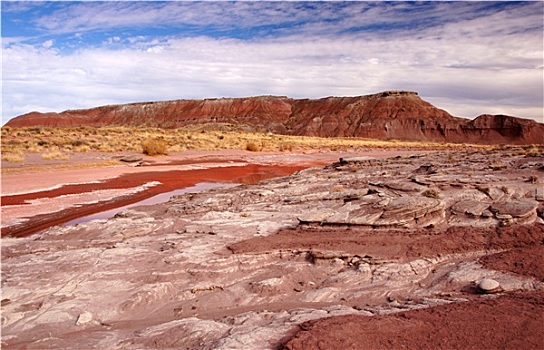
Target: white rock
x,y
84,318
488,285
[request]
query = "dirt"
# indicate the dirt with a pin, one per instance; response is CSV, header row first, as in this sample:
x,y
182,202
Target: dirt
x,y
527,261
513,321
405,245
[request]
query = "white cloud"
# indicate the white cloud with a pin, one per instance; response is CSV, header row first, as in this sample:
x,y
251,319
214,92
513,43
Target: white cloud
x,y
47,44
486,64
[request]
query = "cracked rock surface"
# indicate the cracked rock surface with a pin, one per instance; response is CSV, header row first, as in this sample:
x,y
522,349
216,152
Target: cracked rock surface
x,y
362,243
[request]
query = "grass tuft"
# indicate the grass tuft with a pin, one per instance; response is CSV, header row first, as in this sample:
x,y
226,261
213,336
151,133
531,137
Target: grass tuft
x,y
154,147
431,193
54,155
252,147
13,157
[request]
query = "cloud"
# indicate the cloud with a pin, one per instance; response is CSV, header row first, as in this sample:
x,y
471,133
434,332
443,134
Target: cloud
x,y
465,62
47,44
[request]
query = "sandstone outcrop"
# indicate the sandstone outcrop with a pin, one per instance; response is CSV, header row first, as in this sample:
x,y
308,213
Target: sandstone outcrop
x,y
248,266
401,115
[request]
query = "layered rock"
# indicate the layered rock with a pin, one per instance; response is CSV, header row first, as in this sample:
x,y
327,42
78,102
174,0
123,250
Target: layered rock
x,y
399,115
242,268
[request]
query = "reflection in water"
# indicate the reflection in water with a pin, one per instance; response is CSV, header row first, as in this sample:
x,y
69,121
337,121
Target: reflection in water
x,y
160,198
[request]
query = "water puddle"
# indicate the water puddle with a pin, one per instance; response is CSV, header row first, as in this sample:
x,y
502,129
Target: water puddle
x,y
160,198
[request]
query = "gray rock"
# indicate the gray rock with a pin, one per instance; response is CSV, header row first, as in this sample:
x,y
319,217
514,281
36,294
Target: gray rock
x,y
365,218
363,159
539,193
470,207
488,285
517,209
487,213
404,211
421,180
132,158
404,186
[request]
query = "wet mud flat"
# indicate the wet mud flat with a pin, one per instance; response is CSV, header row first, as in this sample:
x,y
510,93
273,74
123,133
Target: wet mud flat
x,y
362,253
121,191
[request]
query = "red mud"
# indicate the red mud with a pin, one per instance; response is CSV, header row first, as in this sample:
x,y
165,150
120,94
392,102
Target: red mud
x,y
170,180
513,321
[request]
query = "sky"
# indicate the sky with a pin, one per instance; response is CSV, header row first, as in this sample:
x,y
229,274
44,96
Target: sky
x,y
468,58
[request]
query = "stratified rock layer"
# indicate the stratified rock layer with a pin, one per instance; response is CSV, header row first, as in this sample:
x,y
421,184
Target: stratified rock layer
x,y
248,267
399,115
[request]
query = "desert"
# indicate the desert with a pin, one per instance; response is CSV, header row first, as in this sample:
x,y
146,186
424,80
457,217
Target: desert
x,y
300,242
272,175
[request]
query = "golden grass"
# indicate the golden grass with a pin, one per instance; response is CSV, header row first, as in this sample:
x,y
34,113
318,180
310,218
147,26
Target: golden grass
x,y
54,155
252,147
56,142
154,147
41,168
13,157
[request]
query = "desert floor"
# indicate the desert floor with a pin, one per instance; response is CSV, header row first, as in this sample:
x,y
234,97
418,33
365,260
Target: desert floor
x,y
384,249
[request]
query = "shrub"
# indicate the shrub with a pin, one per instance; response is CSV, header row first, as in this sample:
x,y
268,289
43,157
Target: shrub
x,y
431,193
252,147
35,130
82,149
533,151
77,143
154,147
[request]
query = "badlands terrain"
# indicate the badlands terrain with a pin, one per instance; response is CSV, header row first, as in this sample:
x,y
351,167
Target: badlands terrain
x,y
270,223
359,249
400,115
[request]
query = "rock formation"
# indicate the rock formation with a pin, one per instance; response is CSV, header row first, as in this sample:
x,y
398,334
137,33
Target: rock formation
x,y
384,252
401,115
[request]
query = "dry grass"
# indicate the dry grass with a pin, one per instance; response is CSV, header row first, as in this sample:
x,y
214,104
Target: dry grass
x,y
13,157
252,147
49,167
198,137
431,193
54,155
155,147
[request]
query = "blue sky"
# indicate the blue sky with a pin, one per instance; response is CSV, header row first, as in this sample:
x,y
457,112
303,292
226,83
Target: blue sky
x,y
469,58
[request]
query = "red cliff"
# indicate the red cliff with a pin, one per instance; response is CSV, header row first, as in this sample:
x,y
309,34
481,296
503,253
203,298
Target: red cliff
x,y
401,115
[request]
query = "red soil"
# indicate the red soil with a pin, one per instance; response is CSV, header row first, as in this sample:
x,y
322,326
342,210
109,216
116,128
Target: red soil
x,y
523,261
513,321
401,245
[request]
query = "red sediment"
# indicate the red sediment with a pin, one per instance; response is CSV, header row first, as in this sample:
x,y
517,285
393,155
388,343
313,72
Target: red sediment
x,y
405,245
170,180
514,321
523,261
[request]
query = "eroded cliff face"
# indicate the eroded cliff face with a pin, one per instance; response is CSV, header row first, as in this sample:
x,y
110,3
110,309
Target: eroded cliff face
x,y
399,115
388,115
503,129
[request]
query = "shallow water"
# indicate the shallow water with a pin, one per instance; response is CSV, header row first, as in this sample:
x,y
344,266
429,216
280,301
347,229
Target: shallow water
x,y
160,198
